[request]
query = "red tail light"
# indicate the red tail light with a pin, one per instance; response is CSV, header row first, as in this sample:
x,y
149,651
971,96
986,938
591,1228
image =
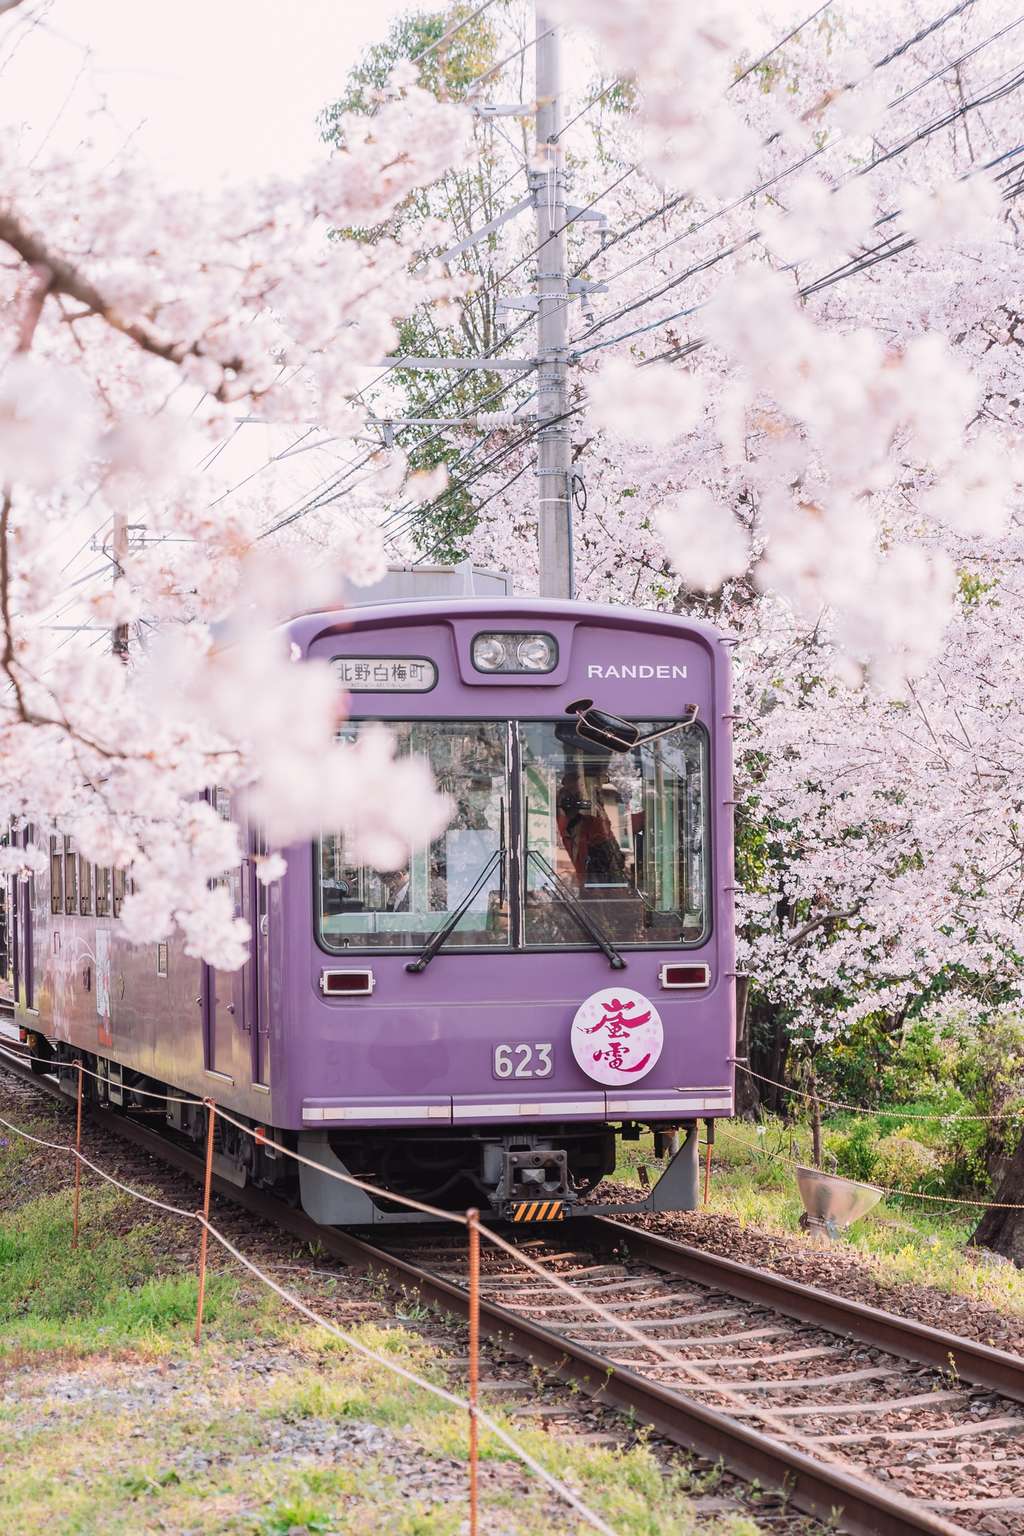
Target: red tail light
x,y
685,976
346,983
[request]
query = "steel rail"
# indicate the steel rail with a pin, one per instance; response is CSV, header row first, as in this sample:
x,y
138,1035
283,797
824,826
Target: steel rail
x,y
823,1489
980,1364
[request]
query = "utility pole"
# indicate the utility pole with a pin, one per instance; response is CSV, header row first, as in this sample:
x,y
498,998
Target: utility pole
x,y
118,554
554,530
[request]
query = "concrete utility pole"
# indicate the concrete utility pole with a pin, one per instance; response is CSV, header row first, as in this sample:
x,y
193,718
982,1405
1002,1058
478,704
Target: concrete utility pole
x,y
118,554
553,444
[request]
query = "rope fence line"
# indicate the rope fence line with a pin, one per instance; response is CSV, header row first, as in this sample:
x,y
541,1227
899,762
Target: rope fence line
x,y
496,1429
469,1405
478,1230
691,1371
887,1114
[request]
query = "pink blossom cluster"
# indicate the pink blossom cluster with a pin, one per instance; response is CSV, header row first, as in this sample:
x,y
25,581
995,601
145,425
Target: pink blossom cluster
x,y
138,325
801,412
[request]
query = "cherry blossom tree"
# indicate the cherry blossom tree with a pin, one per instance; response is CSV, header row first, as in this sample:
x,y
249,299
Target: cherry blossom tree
x,y
138,324
798,416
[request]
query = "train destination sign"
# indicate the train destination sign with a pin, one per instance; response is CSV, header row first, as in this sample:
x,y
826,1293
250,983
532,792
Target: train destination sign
x,y
385,674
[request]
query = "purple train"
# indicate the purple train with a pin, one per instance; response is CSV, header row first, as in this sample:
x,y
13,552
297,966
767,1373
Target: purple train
x,y
556,969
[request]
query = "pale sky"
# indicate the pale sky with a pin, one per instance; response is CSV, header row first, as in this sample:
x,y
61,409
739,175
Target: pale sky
x,y
210,88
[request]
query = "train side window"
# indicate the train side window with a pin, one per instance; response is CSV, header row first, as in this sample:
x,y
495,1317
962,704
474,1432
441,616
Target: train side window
x,y
56,874
102,891
70,878
120,886
84,887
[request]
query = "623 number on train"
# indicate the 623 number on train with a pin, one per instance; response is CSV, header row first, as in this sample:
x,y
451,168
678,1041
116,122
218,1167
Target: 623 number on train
x,y
519,1059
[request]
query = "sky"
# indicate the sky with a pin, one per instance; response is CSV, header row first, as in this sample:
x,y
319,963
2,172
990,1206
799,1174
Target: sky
x,y
208,89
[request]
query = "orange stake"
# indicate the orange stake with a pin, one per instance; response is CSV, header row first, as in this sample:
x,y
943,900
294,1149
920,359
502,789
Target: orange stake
x,y
211,1121
709,1126
78,1158
473,1220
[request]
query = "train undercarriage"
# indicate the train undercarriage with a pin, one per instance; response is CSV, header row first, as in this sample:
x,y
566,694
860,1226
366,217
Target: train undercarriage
x,y
521,1173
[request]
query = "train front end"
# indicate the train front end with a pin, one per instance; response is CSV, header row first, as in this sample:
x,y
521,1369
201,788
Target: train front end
x,y
556,969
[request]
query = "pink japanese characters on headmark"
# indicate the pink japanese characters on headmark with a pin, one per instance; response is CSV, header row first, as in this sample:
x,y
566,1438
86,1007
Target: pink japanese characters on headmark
x,y
617,1035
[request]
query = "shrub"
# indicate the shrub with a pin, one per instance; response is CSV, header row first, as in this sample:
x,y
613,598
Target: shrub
x,y
856,1150
902,1162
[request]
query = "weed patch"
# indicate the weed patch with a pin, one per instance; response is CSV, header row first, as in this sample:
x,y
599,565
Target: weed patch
x,y
109,1292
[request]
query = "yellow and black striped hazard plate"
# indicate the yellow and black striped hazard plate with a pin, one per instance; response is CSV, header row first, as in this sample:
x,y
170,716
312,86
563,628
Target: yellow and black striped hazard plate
x,y
538,1210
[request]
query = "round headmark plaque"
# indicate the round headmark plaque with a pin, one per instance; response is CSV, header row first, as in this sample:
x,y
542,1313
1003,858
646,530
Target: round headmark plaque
x,y
617,1035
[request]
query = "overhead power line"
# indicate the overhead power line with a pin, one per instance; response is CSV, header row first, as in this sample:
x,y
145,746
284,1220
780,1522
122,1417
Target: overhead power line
x,y
610,241
780,44
893,246
994,92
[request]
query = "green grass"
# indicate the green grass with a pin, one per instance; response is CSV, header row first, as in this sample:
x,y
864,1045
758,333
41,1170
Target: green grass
x,y
905,1241
87,1471
193,1445
109,1293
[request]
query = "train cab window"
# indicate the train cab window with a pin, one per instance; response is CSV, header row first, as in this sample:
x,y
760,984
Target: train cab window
x,y
70,878
84,887
625,834
102,881
56,874
364,908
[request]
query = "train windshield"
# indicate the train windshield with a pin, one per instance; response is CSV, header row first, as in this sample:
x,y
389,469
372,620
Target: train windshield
x,y
624,833
362,908
557,821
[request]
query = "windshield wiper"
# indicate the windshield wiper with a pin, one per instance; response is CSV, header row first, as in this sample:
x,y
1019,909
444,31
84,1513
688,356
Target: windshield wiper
x,y
453,919
579,912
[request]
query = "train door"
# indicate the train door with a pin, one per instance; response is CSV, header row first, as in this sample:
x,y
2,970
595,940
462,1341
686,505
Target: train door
x,y
25,988
259,917
223,996
14,937
5,924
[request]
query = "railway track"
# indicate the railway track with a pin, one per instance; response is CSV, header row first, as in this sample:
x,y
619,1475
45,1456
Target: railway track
x,y
882,1424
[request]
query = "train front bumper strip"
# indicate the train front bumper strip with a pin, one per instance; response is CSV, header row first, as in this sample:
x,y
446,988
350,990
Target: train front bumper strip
x,y
610,1106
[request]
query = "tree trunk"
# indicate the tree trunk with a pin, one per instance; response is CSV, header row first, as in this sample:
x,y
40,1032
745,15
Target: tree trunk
x,y
773,1064
748,1100
815,1120
1003,1231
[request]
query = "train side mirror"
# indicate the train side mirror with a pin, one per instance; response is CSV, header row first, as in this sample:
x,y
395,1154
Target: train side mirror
x,y
605,730
615,734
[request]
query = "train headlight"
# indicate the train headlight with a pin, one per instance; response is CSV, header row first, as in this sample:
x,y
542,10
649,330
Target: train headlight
x,y
490,653
537,653
515,653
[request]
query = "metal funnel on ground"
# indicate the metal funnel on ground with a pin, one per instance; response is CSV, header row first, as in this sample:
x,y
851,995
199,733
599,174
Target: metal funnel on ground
x,y
832,1204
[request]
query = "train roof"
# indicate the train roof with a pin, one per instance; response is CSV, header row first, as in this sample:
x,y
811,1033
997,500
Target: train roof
x,y
306,629
407,594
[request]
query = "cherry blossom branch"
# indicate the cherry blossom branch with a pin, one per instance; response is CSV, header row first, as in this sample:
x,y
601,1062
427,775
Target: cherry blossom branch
x,y
34,308
803,933
65,278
